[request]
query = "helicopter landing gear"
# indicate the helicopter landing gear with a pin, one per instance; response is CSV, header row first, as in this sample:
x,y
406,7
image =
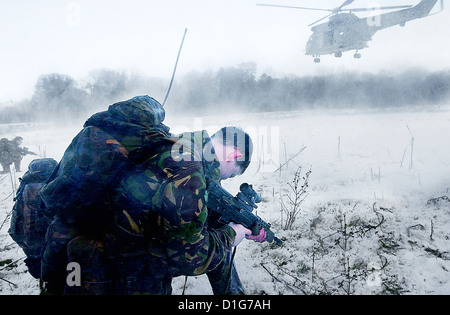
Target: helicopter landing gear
x,y
338,54
357,55
317,60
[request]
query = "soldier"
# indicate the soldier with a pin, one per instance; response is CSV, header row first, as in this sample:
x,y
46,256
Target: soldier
x,y
13,153
151,222
181,239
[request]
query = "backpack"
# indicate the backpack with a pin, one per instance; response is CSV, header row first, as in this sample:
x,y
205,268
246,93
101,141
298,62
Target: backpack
x,y
28,221
110,143
76,194
4,144
4,151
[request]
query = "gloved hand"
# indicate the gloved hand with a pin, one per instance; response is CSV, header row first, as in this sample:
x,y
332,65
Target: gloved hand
x,y
241,232
261,237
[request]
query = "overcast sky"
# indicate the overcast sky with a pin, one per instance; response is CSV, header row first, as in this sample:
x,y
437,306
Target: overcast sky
x,y
75,37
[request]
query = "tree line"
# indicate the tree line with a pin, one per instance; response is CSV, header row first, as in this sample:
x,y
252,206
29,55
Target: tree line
x,y
60,97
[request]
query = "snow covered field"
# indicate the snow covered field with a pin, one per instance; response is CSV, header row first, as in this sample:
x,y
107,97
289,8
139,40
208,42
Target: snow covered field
x,y
373,221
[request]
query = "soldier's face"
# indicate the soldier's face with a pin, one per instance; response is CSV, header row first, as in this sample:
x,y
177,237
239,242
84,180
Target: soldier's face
x,y
228,166
229,169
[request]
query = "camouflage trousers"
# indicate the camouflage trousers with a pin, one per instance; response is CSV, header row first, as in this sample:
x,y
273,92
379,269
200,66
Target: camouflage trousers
x,y
136,274
225,279
7,167
106,270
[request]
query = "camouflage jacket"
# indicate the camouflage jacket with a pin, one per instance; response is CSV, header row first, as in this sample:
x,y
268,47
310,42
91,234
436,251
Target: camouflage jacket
x,y
10,151
121,165
164,200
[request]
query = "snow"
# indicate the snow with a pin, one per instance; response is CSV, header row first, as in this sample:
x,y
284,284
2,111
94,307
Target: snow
x,y
367,226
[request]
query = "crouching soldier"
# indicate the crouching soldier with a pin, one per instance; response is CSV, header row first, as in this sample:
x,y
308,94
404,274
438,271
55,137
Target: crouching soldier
x,y
168,193
136,195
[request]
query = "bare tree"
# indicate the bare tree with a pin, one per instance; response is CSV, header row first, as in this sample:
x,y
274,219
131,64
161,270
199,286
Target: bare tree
x,y
295,197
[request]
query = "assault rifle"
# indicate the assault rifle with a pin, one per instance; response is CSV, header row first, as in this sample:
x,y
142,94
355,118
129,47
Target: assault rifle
x,y
25,151
239,209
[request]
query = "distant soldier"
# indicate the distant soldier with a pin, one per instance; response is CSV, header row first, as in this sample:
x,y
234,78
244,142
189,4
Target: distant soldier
x,y
4,155
11,152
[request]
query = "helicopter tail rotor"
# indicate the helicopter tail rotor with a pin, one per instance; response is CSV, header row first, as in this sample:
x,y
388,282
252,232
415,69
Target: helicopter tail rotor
x,y
440,9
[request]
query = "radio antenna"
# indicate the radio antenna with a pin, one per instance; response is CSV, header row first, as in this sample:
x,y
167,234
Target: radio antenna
x,y
175,69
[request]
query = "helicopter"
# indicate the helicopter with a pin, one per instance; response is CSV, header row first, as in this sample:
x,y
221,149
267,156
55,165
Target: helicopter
x,y
345,31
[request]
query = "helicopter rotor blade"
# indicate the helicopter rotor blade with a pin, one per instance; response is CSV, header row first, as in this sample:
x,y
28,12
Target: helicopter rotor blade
x,y
290,7
321,19
338,9
377,8
346,3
